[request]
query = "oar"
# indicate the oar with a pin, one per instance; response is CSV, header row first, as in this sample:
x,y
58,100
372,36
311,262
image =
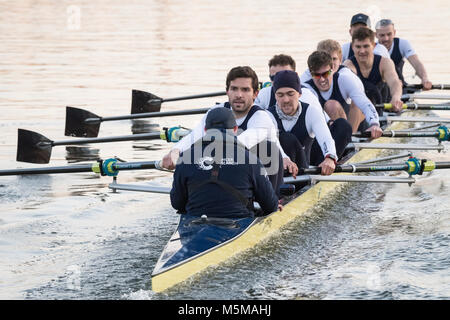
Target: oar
x,y
434,86
36,148
142,102
414,96
108,167
415,106
442,134
412,166
83,123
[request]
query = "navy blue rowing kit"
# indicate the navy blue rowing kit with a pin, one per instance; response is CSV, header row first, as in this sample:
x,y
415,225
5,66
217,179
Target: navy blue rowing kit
x,y
221,185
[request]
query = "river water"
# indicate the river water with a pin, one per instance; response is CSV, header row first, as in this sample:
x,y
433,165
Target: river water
x,y
69,237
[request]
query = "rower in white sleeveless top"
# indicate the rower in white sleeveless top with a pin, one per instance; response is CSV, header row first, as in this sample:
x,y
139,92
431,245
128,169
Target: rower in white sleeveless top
x,y
266,96
399,50
343,94
361,20
255,124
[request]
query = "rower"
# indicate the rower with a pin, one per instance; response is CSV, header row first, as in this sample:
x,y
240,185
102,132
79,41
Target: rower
x,y
334,89
299,123
211,181
360,20
257,131
280,62
399,49
377,73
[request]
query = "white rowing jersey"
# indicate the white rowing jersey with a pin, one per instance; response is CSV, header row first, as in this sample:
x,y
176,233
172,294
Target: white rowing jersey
x,y
351,89
379,50
315,121
259,128
405,48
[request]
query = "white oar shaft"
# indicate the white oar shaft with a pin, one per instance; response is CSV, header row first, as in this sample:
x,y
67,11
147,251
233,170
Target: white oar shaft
x,y
142,188
349,178
399,146
427,96
416,119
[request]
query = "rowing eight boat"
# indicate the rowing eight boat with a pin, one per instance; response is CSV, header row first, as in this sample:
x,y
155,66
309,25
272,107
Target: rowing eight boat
x,y
199,243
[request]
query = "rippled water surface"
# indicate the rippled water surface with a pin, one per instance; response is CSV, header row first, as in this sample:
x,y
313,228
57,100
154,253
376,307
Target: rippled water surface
x,y
68,236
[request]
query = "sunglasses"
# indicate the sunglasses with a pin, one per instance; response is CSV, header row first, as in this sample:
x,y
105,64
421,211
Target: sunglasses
x,y
320,75
272,77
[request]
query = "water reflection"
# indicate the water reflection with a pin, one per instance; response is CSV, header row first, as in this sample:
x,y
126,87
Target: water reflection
x,y
76,154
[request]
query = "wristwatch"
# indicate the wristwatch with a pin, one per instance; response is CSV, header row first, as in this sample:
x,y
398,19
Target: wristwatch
x,y
332,157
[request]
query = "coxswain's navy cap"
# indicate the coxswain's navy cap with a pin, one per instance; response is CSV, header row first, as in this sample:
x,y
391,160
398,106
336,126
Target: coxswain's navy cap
x,y
360,18
220,118
287,79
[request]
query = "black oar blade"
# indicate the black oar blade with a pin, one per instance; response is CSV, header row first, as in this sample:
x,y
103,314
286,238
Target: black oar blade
x,y
33,147
142,101
76,125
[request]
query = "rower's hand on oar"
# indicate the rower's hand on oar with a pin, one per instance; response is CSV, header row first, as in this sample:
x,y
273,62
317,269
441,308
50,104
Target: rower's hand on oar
x,y
169,161
427,85
290,166
328,166
397,104
280,206
375,131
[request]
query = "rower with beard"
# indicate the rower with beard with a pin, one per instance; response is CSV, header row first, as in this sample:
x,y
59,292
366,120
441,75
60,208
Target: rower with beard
x,y
299,123
218,177
256,129
376,73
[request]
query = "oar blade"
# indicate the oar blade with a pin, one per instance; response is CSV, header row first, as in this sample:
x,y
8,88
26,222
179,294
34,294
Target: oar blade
x,y
33,147
76,125
142,101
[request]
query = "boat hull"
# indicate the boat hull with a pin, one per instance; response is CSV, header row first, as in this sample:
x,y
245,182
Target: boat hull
x,y
259,230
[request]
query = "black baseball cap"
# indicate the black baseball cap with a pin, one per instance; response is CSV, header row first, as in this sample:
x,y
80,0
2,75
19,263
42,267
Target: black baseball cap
x,y
220,118
360,18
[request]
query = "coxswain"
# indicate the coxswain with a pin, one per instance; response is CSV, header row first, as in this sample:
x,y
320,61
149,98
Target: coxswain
x,y
399,50
217,177
256,129
377,73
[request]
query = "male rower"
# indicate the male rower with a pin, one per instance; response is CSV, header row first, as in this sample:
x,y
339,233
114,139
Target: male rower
x,y
360,20
399,49
218,177
377,73
266,96
299,123
334,89
257,130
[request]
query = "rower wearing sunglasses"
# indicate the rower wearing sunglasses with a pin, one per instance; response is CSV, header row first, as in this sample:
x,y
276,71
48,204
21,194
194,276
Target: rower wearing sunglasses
x,y
340,129
376,73
335,89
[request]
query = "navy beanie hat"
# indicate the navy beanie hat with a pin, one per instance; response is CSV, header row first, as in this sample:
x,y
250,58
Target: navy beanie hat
x,y
286,78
